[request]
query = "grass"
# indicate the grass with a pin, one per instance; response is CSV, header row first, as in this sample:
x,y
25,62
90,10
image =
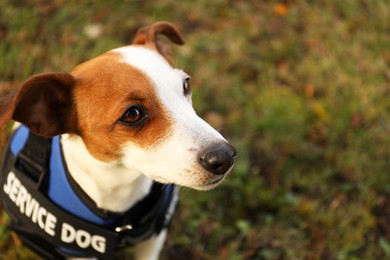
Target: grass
x,y
301,88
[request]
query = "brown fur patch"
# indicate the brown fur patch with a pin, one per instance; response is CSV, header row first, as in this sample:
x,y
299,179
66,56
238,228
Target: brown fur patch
x,y
105,88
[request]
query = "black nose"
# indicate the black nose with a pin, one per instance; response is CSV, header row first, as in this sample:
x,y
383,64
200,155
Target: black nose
x,y
218,158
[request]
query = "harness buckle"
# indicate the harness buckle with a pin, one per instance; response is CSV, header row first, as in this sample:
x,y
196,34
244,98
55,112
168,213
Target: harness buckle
x,y
123,228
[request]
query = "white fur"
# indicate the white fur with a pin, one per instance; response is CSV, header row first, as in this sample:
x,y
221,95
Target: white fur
x,y
109,185
151,248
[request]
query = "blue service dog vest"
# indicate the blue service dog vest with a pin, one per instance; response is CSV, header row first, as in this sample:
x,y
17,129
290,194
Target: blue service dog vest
x,y
56,219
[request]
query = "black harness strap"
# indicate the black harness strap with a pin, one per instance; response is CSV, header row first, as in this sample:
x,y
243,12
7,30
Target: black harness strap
x,y
34,159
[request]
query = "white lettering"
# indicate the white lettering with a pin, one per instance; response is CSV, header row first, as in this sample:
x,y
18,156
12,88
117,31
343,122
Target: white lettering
x,y
41,213
50,224
21,198
28,205
46,220
35,212
7,186
14,189
99,243
68,233
82,238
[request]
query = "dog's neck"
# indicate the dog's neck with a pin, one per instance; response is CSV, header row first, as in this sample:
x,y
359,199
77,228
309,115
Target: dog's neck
x,y
110,185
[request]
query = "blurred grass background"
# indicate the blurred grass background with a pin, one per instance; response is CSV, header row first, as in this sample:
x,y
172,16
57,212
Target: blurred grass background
x,y
301,88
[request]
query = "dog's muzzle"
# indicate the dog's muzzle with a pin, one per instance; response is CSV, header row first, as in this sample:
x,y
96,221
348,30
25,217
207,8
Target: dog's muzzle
x,y
218,158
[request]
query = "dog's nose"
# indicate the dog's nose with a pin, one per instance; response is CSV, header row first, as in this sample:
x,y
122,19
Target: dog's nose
x,y
218,158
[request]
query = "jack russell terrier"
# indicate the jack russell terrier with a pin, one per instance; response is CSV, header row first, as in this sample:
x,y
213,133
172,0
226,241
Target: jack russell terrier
x,y
94,164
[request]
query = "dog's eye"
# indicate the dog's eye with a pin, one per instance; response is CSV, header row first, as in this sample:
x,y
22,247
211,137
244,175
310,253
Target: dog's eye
x,y
186,86
133,116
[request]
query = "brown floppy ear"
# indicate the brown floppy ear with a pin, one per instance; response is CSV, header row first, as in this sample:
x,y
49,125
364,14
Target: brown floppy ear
x,y
148,36
43,103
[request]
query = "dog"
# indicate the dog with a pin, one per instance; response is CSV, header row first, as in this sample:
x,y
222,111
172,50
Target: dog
x,y
124,127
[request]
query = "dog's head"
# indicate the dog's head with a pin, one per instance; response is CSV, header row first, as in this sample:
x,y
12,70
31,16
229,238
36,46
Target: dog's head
x,y
131,108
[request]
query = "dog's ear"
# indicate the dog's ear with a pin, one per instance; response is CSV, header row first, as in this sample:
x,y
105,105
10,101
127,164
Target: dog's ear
x,y
148,36
43,103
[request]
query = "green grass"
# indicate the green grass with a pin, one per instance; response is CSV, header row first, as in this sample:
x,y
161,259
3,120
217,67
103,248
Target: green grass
x,y
301,88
